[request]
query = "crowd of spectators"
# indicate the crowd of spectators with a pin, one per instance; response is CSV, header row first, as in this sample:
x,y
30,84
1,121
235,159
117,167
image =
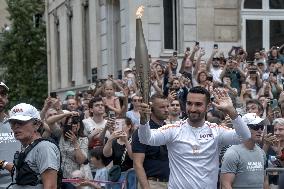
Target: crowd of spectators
x,y
94,128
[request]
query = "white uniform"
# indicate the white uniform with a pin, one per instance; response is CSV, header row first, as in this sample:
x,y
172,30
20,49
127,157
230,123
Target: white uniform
x,y
194,152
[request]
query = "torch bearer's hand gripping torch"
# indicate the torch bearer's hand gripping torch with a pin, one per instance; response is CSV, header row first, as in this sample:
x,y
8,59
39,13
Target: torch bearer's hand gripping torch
x,y
145,112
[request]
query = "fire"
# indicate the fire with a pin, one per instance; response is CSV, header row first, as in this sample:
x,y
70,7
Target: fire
x,y
139,12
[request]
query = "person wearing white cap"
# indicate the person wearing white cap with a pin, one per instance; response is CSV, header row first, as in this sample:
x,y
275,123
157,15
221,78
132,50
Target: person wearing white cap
x,y
243,165
8,143
39,156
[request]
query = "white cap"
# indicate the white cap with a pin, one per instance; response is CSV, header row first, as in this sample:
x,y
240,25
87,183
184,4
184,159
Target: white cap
x,y
23,112
252,118
127,69
3,85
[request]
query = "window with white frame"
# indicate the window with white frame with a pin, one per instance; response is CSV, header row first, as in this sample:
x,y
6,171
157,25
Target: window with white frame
x,y
262,24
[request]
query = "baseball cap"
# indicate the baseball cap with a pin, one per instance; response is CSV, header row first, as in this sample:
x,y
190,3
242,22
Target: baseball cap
x,y
127,70
252,118
70,93
23,112
4,86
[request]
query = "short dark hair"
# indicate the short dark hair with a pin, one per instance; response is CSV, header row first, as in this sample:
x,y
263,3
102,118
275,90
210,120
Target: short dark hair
x,y
94,100
257,102
201,90
99,155
156,96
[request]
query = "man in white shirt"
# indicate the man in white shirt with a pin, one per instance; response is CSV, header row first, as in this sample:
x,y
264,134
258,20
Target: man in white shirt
x,y
95,124
194,144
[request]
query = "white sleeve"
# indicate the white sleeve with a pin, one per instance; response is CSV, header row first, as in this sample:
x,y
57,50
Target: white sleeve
x,y
237,135
156,137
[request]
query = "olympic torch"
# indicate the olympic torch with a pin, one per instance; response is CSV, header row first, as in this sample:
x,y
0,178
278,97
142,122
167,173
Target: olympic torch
x,y
141,59
142,63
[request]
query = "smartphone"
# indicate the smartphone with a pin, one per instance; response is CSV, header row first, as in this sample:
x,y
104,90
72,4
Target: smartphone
x,y
175,54
119,123
196,43
53,94
130,82
273,103
118,94
270,129
215,46
67,128
210,78
111,114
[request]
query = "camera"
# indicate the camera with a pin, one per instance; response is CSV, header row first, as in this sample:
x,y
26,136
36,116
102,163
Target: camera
x,y
75,119
210,78
111,114
196,43
215,46
270,129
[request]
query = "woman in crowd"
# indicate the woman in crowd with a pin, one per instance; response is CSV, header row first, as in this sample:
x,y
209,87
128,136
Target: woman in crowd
x,y
134,114
118,147
74,148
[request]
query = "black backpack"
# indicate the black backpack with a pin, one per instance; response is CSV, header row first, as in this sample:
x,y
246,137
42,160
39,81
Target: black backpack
x,y
24,174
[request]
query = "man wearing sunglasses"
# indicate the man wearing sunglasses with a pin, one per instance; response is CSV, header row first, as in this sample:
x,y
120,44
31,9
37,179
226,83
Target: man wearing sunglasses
x,y
8,143
39,161
243,164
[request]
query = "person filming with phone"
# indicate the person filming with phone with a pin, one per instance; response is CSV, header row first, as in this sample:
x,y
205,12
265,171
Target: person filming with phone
x,y
118,146
274,147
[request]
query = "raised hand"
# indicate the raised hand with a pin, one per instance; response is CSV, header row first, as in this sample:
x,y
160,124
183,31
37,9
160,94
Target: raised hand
x,y
223,102
71,136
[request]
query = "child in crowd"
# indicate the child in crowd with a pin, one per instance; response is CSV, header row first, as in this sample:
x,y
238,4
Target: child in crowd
x,y
111,101
100,162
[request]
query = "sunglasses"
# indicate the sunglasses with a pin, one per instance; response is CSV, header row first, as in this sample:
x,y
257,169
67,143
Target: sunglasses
x,y
137,100
256,127
3,93
18,122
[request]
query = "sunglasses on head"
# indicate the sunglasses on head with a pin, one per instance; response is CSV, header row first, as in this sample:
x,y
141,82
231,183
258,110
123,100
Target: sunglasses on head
x,y
256,127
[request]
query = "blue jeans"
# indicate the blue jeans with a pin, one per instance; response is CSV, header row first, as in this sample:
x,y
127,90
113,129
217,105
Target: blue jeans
x,y
131,181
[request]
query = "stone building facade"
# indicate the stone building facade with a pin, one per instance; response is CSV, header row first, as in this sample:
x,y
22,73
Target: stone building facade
x,y
90,39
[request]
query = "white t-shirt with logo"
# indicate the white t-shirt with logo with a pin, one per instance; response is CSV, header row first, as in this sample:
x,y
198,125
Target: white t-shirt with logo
x,y
194,152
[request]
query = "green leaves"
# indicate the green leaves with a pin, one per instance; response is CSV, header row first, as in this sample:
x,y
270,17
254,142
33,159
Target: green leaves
x,y
23,53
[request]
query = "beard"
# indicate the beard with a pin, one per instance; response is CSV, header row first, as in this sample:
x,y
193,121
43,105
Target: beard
x,y
196,117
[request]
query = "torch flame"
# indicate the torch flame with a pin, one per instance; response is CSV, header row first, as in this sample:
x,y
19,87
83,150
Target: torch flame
x,y
139,12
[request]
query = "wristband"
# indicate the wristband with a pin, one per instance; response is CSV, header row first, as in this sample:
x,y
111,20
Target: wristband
x,y
4,165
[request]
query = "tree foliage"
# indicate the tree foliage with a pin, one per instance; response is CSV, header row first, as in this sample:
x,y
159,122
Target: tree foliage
x,y
23,52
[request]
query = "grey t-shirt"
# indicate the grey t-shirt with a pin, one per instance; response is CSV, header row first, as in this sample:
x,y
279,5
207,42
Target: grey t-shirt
x,y
247,165
8,146
45,155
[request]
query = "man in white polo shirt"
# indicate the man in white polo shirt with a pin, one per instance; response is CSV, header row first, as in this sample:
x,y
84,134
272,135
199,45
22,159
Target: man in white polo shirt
x,y
194,144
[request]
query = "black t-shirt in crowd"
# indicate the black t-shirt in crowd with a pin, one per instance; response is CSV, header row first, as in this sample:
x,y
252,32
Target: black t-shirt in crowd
x,y
156,162
117,153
